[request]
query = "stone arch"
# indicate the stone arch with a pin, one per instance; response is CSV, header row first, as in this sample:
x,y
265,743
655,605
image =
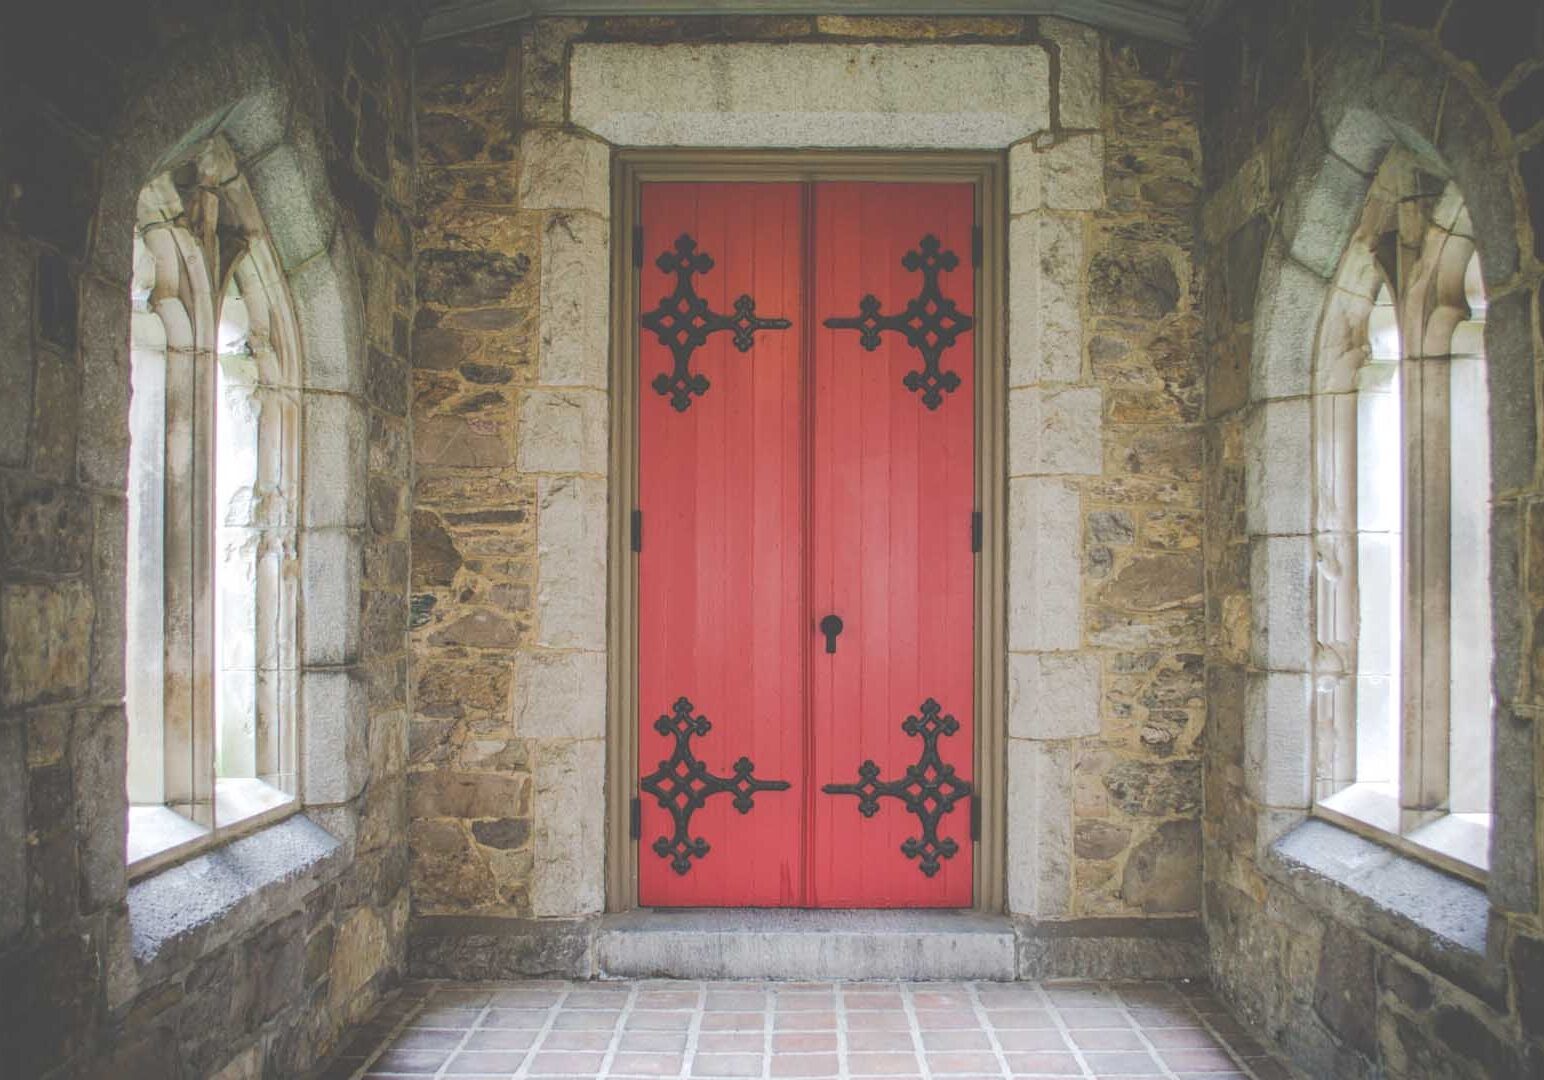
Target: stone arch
x,y
1376,93
237,86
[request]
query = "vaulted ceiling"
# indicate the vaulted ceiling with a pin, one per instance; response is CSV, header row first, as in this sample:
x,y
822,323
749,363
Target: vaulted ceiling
x,y
1174,21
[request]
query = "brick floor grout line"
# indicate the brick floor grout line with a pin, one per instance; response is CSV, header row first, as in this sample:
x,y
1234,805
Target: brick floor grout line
x,y
541,1035
916,1031
986,1025
1152,1049
694,1031
616,1034
1061,1025
1244,1066
482,1015
391,1038
766,1032
839,996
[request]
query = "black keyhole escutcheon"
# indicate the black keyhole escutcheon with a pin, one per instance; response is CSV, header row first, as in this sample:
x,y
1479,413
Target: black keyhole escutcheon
x,y
830,626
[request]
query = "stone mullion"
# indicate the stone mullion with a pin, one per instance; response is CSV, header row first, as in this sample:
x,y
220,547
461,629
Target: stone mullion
x,y
1336,656
188,627
1426,649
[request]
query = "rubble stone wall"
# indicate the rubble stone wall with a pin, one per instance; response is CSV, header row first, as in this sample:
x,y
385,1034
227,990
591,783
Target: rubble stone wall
x,y
511,400
249,960
1351,959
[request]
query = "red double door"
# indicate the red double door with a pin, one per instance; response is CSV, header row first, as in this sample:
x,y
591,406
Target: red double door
x,y
806,460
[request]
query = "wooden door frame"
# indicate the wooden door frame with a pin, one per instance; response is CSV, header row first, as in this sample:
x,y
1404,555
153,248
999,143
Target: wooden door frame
x,y
987,171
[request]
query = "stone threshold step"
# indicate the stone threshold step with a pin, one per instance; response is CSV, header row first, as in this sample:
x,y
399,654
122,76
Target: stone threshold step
x,y
794,944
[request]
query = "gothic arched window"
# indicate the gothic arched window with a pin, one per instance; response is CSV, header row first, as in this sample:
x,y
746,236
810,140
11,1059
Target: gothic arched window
x,y
212,514
1402,679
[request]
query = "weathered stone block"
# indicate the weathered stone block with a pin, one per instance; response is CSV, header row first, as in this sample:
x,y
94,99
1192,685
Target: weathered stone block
x,y
1044,571
1163,874
44,527
335,448
103,453
98,748
1067,174
13,829
1279,579
1039,829
448,794
1053,695
289,185
1147,789
16,276
335,751
454,441
1045,315
1155,581
1344,996
1287,310
359,952
563,431
331,567
1055,431
1279,470
561,171
570,828
571,544
1080,97
810,94
561,695
918,28
47,633
575,301
544,68
1132,283
330,315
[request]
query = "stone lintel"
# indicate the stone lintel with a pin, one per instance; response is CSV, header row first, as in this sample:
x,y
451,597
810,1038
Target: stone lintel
x,y
794,95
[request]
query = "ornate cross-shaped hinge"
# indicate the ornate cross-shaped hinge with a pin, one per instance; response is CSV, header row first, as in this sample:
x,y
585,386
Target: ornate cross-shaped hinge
x,y
682,322
682,784
931,322
929,789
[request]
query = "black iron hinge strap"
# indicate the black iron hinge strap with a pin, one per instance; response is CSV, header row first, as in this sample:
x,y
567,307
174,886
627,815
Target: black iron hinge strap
x,y
638,245
634,818
975,531
977,244
975,817
637,530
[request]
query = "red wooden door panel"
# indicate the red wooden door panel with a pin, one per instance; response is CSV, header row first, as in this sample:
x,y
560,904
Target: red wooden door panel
x,y
806,416
721,575
892,474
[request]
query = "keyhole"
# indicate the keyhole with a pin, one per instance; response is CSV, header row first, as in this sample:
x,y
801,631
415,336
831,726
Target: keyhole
x,y
831,626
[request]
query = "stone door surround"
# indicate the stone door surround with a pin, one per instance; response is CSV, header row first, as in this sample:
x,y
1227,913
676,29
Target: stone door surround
x,y
894,102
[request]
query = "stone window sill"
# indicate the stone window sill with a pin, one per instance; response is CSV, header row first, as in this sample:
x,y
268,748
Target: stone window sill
x,y
185,910
1455,842
160,836
1437,919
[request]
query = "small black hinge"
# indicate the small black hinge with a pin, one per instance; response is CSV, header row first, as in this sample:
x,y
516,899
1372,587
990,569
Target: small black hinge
x,y
637,245
975,530
637,530
634,818
975,817
977,242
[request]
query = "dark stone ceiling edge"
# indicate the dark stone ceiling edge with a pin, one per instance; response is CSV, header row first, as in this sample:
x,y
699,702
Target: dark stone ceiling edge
x,y
1171,21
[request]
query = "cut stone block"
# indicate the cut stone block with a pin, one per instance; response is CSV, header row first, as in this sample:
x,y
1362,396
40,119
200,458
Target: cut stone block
x,y
894,95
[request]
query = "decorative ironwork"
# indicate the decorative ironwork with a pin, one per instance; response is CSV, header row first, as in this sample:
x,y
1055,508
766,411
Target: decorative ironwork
x,y
929,789
682,322
932,322
682,784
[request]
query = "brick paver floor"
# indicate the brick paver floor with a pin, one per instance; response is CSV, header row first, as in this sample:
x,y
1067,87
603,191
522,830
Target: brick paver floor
x,y
945,1031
